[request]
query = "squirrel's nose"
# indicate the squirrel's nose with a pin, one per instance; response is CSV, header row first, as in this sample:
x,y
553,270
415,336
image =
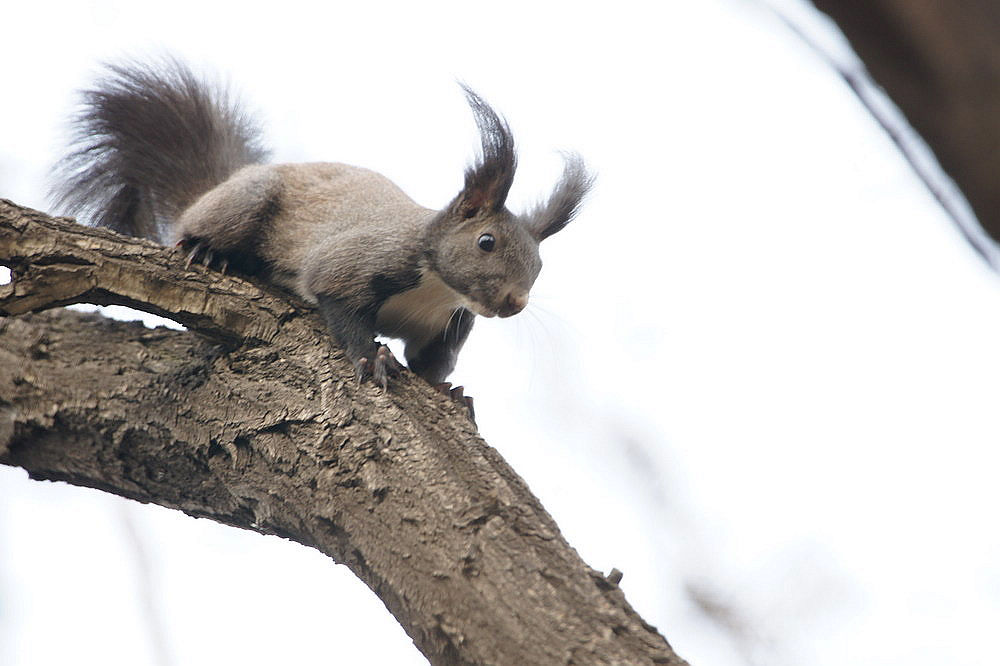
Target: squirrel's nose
x,y
513,303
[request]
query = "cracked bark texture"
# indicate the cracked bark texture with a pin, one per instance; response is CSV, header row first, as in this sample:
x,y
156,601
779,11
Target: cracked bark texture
x,y
254,420
940,63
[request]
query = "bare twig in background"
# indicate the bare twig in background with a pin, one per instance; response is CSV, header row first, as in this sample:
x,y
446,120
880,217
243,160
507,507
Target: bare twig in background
x,y
145,586
917,148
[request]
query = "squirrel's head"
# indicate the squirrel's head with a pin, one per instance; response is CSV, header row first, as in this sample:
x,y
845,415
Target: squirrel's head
x,y
481,249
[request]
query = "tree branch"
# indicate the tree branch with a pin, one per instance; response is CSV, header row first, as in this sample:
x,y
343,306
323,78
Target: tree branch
x,y
940,63
257,422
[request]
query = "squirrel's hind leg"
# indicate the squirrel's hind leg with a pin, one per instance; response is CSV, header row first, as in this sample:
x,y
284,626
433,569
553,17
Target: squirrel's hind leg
x,y
224,226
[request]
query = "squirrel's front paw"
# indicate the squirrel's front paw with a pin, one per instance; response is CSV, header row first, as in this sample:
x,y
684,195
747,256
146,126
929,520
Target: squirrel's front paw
x,y
380,368
457,395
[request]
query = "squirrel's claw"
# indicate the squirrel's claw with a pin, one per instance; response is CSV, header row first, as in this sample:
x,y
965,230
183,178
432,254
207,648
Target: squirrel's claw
x,y
191,255
383,366
200,252
386,365
457,395
361,369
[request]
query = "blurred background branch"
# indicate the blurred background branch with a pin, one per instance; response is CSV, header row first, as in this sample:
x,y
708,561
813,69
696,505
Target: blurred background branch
x,y
940,63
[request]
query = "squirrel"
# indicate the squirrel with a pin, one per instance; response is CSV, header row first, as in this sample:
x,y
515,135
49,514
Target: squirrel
x,y
158,153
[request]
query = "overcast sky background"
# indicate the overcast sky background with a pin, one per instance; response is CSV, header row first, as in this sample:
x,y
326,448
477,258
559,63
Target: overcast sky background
x,y
759,371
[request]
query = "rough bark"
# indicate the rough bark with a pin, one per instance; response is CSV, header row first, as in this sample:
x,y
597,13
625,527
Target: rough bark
x,y
940,63
255,420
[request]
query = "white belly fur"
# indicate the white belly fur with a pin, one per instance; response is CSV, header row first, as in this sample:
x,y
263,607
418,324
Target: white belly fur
x,y
417,315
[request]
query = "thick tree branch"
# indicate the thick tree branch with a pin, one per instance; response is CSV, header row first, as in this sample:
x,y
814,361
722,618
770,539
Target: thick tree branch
x,y
940,63
258,423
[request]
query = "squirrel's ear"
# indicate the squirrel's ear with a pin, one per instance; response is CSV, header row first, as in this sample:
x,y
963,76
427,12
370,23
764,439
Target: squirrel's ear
x,y
488,180
564,202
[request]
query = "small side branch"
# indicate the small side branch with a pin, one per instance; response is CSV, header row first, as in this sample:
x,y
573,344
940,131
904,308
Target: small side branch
x,y
57,262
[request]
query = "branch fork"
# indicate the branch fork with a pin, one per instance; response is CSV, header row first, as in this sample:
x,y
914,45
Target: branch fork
x,y
253,419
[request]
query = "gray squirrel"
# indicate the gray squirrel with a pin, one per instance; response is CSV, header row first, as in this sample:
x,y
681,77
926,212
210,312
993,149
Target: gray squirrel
x,y
160,154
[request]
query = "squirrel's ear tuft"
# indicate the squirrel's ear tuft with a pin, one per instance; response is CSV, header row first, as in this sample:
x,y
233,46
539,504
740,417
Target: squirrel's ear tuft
x,y
564,202
488,180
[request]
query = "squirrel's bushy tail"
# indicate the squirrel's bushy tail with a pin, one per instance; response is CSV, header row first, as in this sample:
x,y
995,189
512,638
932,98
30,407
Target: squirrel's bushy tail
x,y
148,141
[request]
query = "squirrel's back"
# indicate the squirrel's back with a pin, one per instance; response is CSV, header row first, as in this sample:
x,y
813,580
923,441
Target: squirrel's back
x,y
282,213
147,143
321,200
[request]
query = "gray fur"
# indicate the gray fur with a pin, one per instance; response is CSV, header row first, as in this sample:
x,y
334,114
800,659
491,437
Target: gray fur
x,y
488,180
147,142
564,203
156,149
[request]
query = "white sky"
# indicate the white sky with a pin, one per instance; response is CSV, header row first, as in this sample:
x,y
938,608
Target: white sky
x,y
762,363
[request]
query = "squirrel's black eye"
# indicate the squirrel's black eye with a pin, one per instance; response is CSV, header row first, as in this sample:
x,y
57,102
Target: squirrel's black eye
x,y
487,242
